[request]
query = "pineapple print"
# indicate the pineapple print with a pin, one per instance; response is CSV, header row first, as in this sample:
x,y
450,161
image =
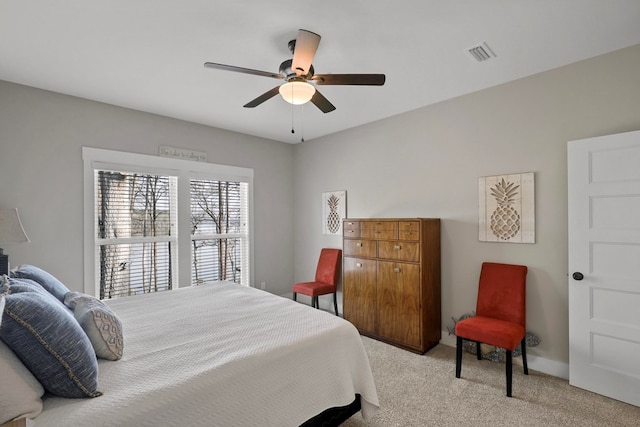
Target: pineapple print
x,y
333,219
505,220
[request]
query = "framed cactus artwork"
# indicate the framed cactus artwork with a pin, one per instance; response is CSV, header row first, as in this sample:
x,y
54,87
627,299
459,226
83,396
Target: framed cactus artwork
x,y
506,208
334,210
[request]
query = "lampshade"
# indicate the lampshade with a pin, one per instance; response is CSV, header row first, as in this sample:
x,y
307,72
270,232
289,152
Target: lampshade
x,y
297,92
11,230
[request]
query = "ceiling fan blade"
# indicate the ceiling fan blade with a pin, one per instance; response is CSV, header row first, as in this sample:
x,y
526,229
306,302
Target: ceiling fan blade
x,y
306,46
242,70
349,79
322,103
264,97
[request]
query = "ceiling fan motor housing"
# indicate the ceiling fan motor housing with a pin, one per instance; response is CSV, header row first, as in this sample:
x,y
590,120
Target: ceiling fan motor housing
x,y
290,74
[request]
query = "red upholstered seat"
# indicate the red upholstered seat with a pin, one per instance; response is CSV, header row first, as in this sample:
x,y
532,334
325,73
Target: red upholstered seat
x,y
326,280
501,314
313,289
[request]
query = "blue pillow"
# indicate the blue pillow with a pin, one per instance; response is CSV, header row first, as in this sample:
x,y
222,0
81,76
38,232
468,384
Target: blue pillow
x,y
43,278
50,343
28,285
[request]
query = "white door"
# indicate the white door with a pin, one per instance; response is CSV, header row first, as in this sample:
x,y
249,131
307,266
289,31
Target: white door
x,y
604,265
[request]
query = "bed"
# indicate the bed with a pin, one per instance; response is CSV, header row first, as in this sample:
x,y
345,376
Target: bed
x,y
222,354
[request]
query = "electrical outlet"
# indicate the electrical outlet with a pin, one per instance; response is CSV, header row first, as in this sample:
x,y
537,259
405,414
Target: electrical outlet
x,y
263,285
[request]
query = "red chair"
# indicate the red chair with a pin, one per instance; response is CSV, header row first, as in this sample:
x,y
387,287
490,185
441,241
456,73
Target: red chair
x,y
501,315
326,279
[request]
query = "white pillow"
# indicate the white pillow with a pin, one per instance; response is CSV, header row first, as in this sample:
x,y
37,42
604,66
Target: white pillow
x,y
20,391
101,325
4,288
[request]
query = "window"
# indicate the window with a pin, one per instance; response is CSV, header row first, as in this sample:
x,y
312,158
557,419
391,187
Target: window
x,y
136,233
219,230
156,224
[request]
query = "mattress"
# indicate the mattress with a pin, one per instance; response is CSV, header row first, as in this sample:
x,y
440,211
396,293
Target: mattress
x,y
222,354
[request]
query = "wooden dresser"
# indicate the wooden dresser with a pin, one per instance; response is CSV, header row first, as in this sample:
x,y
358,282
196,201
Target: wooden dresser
x,y
391,280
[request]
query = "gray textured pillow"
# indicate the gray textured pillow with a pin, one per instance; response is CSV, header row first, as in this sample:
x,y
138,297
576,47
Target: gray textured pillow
x,y
101,325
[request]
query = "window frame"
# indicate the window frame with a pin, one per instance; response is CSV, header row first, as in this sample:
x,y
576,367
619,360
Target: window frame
x,y
184,170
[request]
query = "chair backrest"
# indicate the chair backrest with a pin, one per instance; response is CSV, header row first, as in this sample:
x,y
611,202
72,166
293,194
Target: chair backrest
x,y
328,263
502,292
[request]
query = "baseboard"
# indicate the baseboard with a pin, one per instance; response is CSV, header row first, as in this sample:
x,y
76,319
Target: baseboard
x,y
537,363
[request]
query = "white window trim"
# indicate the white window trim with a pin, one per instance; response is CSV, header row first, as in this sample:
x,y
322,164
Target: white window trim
x,y
97,158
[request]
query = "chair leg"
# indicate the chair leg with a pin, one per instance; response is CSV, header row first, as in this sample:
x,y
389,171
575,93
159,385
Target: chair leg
x,y
295,296
523,347
458,356
335,302
509,369
314,302
478,350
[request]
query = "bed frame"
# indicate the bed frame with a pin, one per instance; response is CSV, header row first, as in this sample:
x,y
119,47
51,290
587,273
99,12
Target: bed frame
x,y
331,417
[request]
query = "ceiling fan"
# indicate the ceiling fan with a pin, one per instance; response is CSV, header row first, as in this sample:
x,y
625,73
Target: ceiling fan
x,y
299,74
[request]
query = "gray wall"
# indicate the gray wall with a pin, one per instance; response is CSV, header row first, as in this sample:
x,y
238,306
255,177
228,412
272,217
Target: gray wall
x,y
423,163
426,163
41,135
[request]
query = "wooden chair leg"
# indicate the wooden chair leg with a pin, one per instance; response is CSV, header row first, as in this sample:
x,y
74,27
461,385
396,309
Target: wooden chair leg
x,y
523,347
509,369
335,302
458,356
478,350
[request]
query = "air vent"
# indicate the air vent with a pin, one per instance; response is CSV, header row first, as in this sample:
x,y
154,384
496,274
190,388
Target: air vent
x,y
482,52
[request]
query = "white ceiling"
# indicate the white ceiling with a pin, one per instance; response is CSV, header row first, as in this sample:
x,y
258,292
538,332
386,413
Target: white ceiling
x,y
148,54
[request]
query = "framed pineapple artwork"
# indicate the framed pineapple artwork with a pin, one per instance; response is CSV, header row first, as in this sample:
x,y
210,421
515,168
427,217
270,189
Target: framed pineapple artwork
x,y
334,210
506,208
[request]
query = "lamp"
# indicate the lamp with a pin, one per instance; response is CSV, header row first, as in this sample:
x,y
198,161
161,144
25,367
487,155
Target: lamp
x,y
297,92
11,231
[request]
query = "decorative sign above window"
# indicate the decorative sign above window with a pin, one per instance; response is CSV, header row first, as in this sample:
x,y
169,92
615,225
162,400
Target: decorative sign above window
x,y
334,210
181,153
506,208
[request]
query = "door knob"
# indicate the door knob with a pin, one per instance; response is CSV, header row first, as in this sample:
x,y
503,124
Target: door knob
x,y
578,276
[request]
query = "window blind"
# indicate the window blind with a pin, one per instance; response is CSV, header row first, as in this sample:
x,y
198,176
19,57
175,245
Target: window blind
x,y
136,234
219,231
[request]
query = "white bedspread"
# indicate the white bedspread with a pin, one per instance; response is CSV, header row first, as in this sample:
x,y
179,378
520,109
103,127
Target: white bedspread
x,y
222,355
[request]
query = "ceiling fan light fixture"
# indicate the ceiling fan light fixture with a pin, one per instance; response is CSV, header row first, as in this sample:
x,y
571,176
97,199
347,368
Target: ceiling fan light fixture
x,y
297,93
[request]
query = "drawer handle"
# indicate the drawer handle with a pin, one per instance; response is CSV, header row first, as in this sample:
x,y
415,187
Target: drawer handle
x,y
359,244
351,231
397,270
398,247
359,264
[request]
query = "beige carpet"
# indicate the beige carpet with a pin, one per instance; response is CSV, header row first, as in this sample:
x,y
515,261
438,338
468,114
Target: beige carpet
x,y
421,390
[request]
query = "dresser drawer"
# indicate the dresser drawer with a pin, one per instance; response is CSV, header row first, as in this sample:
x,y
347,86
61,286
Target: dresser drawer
x,y
399,251
379,229
351,229
360,248
409,230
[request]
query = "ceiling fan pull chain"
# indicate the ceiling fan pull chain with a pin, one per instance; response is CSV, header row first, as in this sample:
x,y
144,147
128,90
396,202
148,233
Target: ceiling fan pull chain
x,y
292,121
302,122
